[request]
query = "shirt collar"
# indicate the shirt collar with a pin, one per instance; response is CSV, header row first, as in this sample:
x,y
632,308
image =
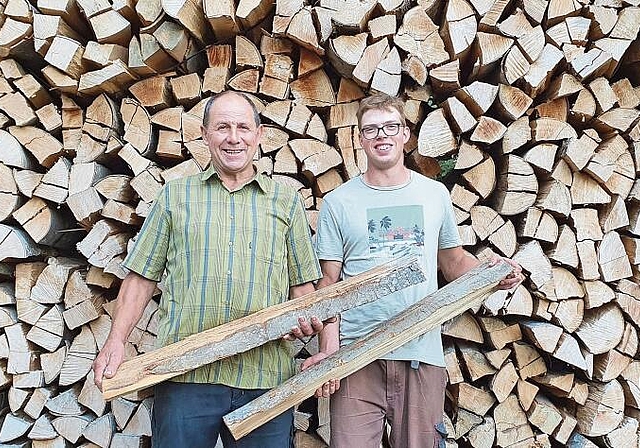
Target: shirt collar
x,y
259,178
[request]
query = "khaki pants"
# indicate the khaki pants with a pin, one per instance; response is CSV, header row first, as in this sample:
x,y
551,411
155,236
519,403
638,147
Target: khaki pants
x,y
410,400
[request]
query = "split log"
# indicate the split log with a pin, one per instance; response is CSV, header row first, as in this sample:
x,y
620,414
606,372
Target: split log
x,y
517,187
15,243
482,177
511,423
44,147
517,134
462,120
316,157
272,323
602,412
473,398
601,329
80,356
474,361
463,327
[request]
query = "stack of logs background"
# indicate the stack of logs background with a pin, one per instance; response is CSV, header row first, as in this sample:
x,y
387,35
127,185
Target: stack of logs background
x,y
530,108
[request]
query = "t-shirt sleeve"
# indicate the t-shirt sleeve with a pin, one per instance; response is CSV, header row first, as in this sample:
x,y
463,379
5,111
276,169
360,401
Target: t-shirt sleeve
x,y
449,236
301,258
329,241
149,254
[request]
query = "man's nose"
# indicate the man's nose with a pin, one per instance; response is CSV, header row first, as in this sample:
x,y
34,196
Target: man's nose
x,y
232,136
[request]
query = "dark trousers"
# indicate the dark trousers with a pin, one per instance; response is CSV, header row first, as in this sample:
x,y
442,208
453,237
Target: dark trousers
x,y
190,415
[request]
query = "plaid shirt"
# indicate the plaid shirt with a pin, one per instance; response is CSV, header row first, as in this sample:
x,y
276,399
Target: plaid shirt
x,y
226,255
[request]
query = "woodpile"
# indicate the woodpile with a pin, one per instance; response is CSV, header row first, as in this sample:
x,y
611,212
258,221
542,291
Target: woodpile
x,y
531,108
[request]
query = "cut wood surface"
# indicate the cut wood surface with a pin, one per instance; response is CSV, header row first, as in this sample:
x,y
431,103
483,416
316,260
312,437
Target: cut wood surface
x,y
256,329
425,315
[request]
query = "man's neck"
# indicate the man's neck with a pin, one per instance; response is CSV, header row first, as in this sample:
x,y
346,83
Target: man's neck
x,y
387,178
233,183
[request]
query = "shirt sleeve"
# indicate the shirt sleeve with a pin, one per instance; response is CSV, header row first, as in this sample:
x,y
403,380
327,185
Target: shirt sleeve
x,y
449,236
301,258
149,254
329,241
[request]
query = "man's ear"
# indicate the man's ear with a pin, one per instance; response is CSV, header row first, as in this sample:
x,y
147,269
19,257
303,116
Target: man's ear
x,y
406,134
203,131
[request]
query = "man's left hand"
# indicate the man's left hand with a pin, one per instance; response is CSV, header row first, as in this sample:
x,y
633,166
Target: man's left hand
x,y
514,278
306,328
328,388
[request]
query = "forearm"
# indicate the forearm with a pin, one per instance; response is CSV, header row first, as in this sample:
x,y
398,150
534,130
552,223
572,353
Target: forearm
x,y
301,290
463,262
133,297
329,337
324,282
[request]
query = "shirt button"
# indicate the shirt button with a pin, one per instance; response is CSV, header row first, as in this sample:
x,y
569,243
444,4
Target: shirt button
x,y
228,272
230,243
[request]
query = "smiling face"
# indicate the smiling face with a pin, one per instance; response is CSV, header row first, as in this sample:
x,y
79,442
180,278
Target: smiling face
x,y
383,152
232,137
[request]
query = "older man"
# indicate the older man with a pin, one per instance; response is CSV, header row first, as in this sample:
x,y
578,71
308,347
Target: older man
x,y
387,211
231,242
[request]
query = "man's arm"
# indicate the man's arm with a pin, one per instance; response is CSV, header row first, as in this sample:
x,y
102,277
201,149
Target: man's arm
x,y
329,337
300,290
303,267
456,261
135,292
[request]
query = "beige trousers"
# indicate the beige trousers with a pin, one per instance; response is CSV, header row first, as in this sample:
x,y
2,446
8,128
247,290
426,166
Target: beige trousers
x,y
410,400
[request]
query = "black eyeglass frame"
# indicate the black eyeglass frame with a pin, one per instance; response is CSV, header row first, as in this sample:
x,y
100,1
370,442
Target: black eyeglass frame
x,y
386,132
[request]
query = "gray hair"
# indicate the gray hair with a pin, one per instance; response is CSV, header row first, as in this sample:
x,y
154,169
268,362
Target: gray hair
x,y
214,98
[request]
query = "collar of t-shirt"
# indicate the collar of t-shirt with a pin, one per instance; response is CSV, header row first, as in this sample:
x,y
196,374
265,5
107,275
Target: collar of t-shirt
x,y
389,187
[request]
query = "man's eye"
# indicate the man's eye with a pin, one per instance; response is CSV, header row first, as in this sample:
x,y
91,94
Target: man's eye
x,y
222,127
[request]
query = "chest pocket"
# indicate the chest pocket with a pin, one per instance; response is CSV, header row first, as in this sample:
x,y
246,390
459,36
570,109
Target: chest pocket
x,y
267,239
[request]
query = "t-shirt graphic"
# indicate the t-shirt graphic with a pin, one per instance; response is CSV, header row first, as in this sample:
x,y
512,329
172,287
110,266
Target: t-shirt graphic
x,y
395,231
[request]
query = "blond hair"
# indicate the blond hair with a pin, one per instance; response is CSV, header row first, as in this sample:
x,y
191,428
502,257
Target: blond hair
x,y
381,101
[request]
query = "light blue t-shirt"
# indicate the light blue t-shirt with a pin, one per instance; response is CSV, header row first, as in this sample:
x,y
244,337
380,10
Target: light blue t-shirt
x,y
364,226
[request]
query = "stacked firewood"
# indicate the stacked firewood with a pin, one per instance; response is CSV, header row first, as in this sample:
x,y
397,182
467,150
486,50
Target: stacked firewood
x,y
528,110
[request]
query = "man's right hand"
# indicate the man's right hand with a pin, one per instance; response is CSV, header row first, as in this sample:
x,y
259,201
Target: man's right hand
x,y
330,386
108,360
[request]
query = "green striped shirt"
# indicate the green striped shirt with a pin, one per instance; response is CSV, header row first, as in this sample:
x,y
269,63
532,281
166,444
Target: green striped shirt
x,y
226,255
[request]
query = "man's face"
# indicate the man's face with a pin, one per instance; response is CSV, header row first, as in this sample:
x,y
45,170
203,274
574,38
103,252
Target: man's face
x,y
383,152
232,136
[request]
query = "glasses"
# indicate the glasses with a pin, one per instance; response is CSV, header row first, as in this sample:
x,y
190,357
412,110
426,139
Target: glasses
x,y
388,129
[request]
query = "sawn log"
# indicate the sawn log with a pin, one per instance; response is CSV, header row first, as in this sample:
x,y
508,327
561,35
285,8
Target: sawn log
x,y
256,329
425,315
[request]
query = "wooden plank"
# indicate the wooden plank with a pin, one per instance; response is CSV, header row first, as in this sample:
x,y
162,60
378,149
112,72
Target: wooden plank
x,y
432,311
256,329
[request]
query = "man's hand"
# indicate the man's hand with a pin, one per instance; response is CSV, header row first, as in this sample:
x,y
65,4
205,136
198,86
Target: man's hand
x,y
514,278
307,328
107,362
330,386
